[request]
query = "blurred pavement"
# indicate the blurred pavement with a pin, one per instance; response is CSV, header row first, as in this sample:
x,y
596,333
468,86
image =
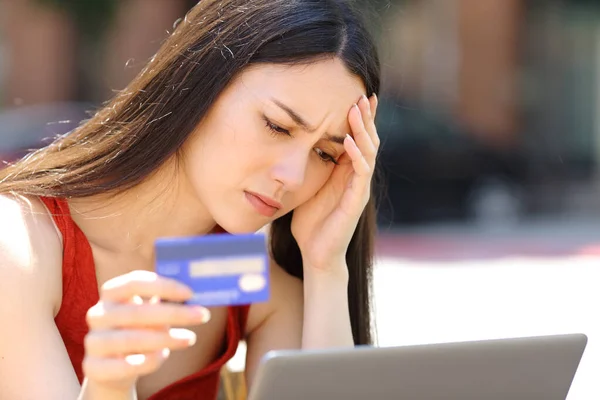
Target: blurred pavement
x,y
442,285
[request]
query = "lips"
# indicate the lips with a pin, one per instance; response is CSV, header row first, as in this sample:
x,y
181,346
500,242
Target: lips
x,y
264,205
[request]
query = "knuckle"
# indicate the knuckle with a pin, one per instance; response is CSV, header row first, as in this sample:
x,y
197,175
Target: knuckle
x,y
130,341
175,314
137,341
366,166
129,315
179,315
135,316
371,151
166,286
367,169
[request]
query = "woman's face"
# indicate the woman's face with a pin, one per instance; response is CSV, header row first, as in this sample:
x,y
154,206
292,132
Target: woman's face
x,y
270,141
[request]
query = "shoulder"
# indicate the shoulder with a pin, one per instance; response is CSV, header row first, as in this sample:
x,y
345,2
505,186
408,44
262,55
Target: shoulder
x,y
30,250
286,297
30,276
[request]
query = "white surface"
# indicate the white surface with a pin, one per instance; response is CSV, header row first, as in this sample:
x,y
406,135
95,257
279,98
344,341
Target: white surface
x,y
435,302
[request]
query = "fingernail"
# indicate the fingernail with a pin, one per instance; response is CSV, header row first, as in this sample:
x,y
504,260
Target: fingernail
x,y
183,334
206,316
166,352
203,314
135,359
365,99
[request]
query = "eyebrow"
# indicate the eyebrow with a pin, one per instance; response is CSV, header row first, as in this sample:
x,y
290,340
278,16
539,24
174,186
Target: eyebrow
x,y
305,125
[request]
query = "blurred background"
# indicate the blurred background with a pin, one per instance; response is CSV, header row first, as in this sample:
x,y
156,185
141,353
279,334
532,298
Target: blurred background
x,y
488,113
490,123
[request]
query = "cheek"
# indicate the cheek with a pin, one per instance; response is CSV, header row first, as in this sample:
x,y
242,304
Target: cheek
x,y
321,176
316,179
216,148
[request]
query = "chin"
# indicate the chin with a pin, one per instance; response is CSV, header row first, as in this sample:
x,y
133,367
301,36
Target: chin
x,y
239,226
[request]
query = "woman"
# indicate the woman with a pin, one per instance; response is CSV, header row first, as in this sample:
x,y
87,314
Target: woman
x,y
253,112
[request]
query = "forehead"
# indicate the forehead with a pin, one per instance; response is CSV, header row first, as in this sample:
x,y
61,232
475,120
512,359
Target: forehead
x,y
315,89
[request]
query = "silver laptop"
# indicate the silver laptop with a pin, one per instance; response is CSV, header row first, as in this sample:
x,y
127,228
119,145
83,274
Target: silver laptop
x,y
533,368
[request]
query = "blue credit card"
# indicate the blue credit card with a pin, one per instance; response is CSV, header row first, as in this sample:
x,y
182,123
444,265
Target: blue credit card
x,y
221,269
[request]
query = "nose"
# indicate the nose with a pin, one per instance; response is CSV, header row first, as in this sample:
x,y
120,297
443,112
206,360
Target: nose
x,y
290,169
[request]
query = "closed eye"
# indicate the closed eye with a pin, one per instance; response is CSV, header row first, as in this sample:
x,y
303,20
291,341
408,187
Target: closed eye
x,y
277,130
274,128
326,157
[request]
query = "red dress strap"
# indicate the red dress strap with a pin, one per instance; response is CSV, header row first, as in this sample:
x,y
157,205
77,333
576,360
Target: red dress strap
x,y
80,288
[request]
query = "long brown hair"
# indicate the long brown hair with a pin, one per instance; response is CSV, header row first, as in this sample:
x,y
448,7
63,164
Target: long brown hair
x,y
145,125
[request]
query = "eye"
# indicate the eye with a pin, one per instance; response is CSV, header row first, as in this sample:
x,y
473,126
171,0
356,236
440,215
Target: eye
x,y
276,129
327,158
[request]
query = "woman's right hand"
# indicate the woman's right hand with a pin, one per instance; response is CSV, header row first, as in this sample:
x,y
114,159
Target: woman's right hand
x,y
130,328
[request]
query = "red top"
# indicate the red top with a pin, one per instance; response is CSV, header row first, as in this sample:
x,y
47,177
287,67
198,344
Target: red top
x,y
80,292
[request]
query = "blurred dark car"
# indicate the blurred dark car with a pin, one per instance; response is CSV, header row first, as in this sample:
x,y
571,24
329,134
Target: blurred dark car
x,y
435,171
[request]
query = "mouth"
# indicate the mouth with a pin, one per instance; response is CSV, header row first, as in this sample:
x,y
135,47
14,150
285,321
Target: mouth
x,y
264,205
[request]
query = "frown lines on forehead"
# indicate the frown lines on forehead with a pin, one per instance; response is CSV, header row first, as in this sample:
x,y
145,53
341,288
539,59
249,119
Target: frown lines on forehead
x,y
300,121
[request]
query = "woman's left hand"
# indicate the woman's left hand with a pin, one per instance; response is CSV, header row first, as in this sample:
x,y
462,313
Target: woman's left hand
x,y
324,225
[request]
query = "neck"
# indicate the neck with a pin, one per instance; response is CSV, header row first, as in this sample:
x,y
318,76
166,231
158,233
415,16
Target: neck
x,y
130,222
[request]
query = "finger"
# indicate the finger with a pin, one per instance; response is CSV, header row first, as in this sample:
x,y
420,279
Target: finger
x,y
116,343
144,284
139,300
102,316
366,107
360,182
374,102
122,368
359,163
361,136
